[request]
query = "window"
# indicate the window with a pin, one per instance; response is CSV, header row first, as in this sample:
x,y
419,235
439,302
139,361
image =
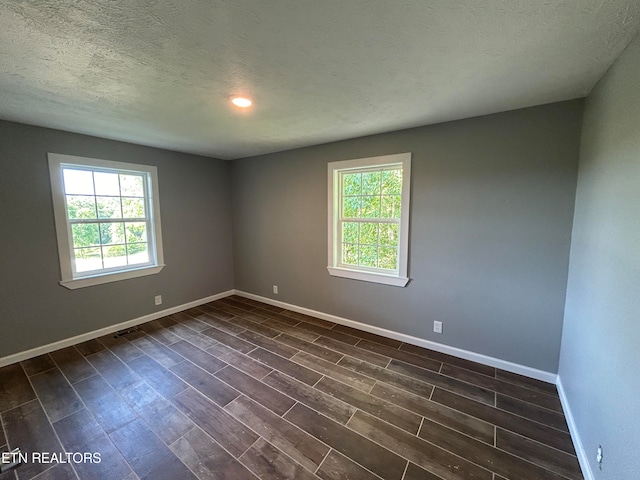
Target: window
x,y
107,217
369,218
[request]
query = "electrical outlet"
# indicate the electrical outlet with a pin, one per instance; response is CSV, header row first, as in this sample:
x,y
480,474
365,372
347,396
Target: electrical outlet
x,y
437,326
158,299
275,289
599,456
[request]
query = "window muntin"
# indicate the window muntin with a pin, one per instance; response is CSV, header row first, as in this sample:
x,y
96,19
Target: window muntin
x,y
368,218
107,219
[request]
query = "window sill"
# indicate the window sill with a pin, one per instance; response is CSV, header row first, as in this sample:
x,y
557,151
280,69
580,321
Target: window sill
x,y
368,277
110,277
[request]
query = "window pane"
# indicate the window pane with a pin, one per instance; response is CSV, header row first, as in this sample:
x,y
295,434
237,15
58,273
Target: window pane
x,y
138,253
351,207
111,233
131,186
80,206
389,234
350,253
351,183
108,207
114,256
87,259
390,206
371,183
133,207
136,232
370,207
369,233
392,182
85,234
350,232
106,183
78,182
388,258
368,256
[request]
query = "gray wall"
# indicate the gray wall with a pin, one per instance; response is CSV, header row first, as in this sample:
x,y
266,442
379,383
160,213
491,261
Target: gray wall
x,y
600,360
196,224
491,215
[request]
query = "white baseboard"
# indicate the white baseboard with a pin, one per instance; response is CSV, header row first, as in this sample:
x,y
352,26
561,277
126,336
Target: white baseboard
x,y
34,352
438,347
575,435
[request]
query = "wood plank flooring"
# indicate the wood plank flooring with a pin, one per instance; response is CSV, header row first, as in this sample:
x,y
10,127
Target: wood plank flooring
x,y
237,389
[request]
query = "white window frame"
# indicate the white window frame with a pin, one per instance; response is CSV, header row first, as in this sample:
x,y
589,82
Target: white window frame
x,y
73,280
397,278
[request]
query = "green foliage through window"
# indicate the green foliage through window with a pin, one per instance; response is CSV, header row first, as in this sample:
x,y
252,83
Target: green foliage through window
x,y
370,216
107,215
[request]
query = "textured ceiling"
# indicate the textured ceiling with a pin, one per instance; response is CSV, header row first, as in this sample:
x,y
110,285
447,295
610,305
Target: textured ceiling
x,y
159,72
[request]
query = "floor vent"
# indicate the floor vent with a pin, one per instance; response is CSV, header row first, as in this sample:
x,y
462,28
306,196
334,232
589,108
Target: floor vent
x,y
122,333
11,460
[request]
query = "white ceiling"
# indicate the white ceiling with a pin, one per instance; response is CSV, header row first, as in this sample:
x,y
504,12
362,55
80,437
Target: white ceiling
x,y
159,72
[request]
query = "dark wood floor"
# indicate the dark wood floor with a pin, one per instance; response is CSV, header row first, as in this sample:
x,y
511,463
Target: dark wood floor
x,y
237,389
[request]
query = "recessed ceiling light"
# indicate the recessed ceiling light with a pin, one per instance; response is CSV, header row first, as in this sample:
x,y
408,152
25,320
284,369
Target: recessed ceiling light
x,y
242,102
